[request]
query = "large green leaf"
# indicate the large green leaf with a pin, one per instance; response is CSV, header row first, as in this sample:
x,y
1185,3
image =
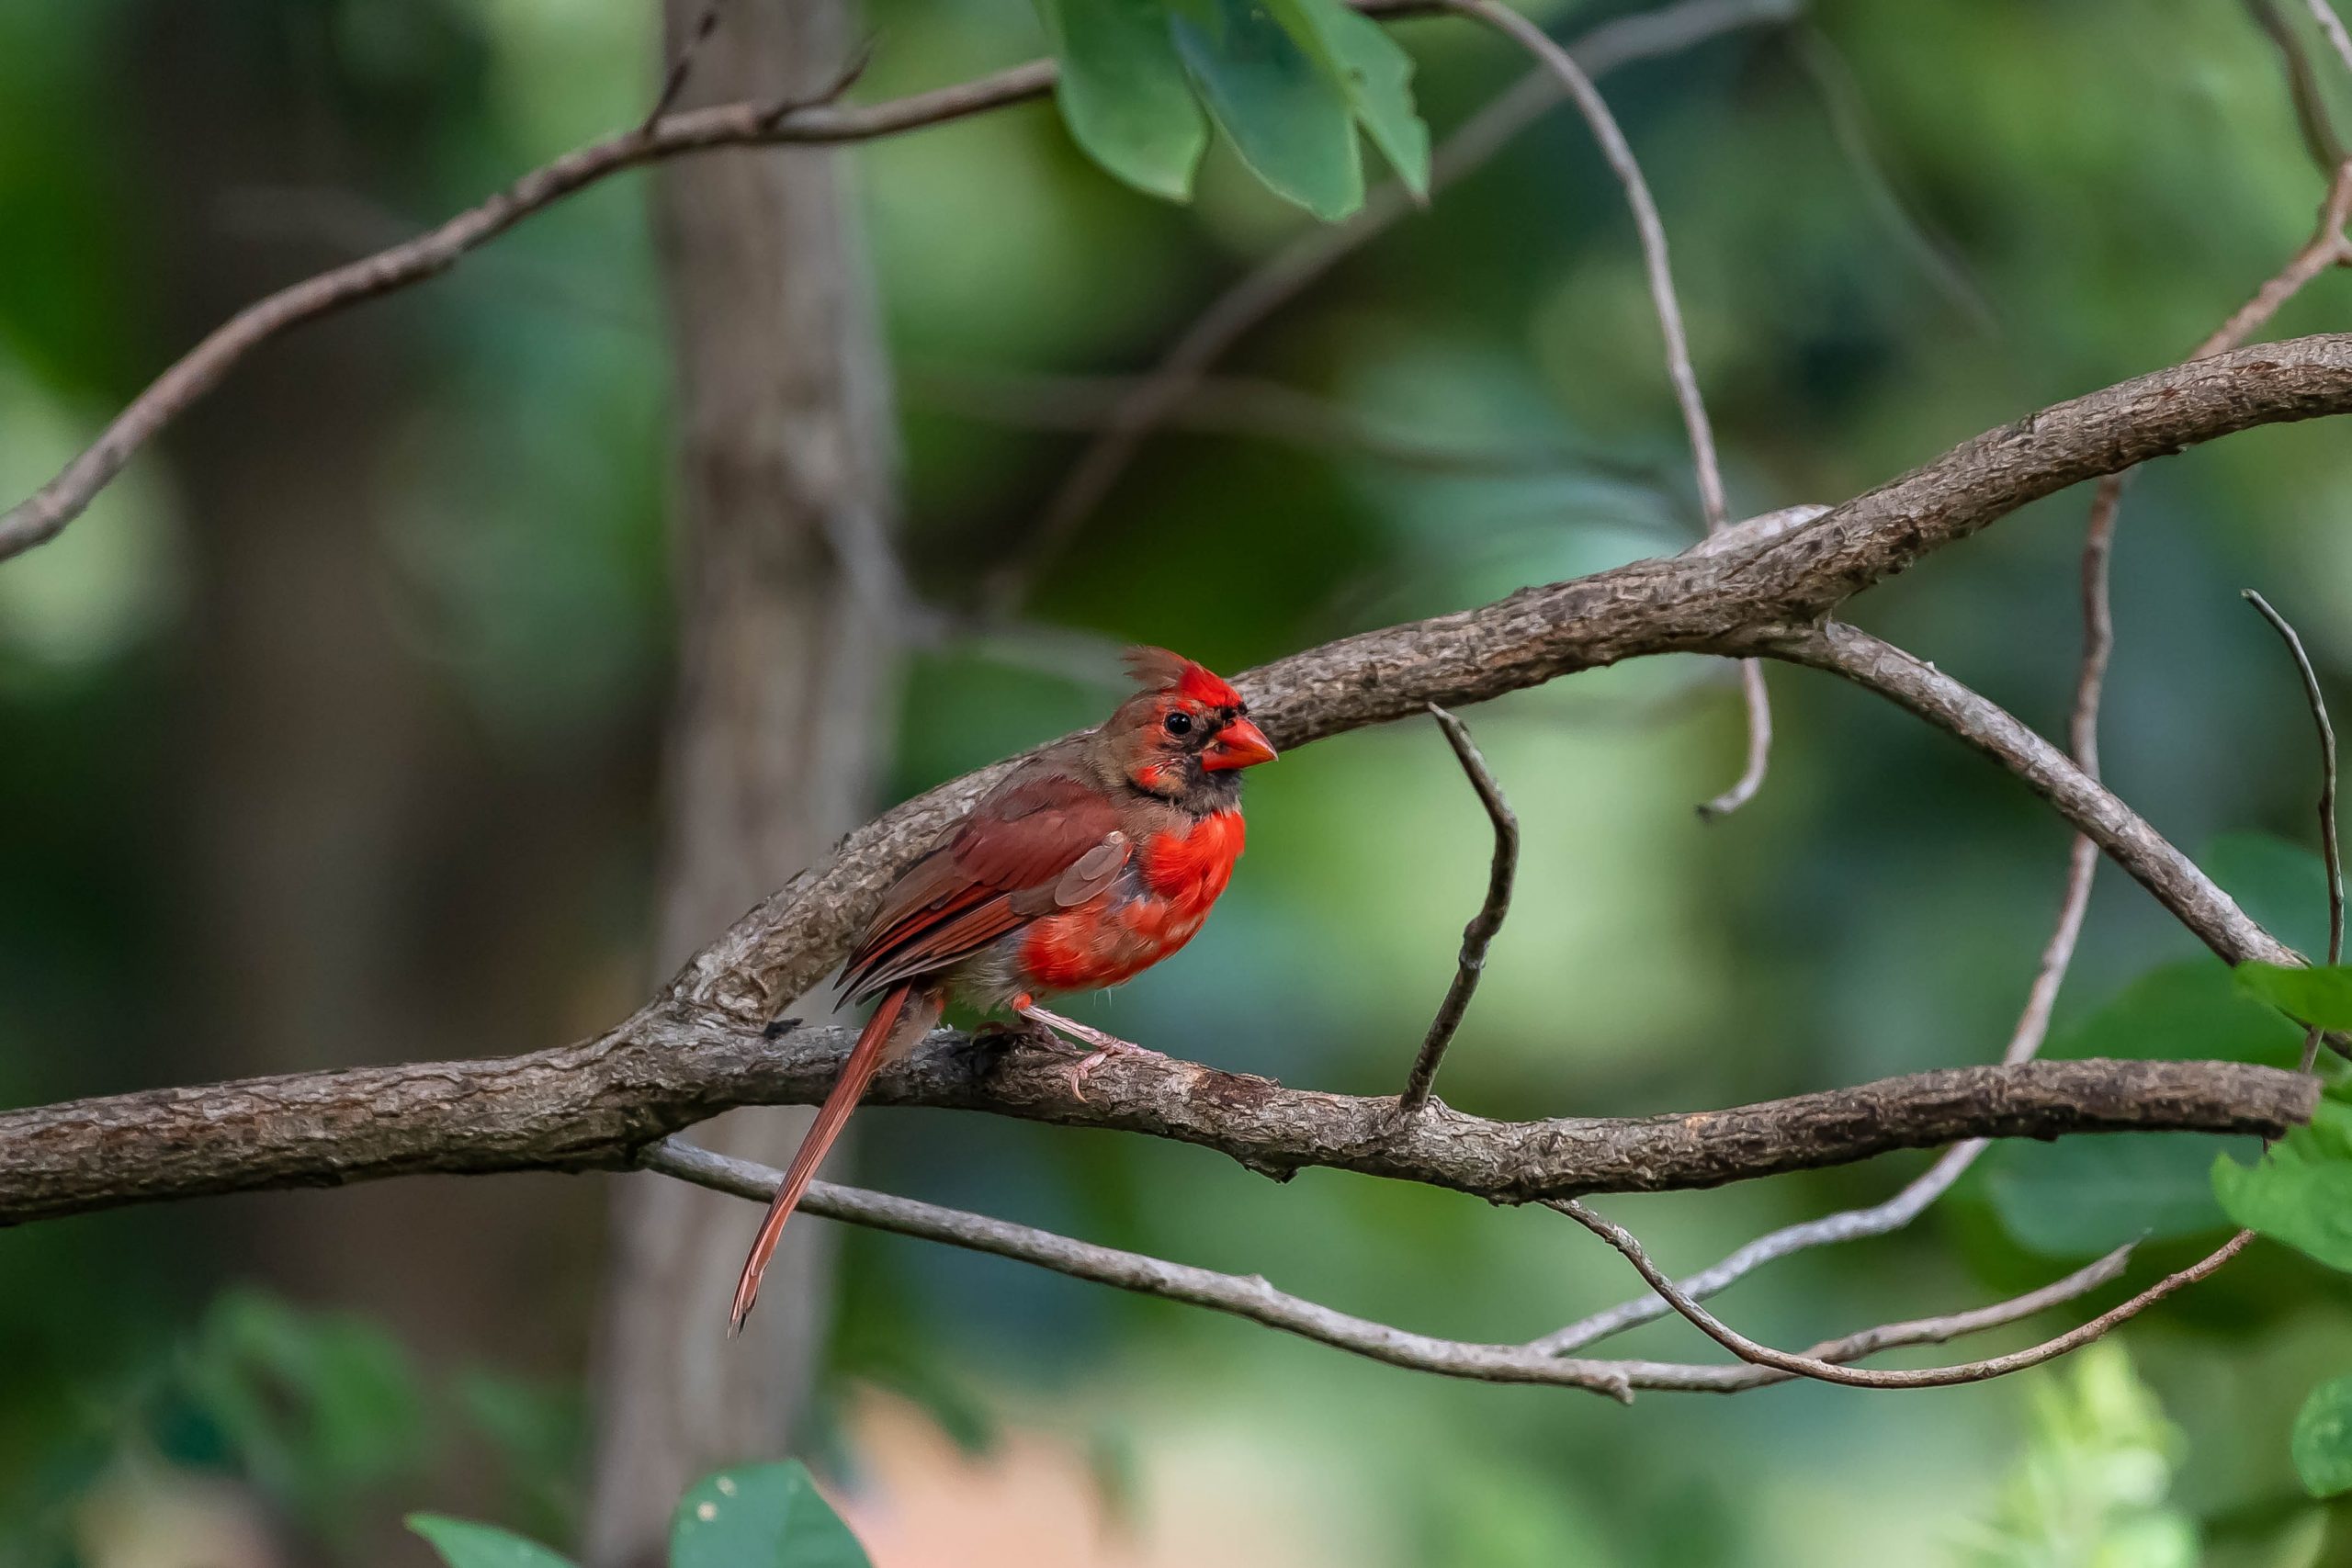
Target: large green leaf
x,y
465,1545
1286,116
767,1515
1123,92
2323,1440
2300,1191
1374,72
2321,995
2078,1196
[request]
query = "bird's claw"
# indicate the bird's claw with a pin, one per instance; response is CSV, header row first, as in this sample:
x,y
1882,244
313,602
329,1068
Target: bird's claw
x,y
1099,1046
1111,1046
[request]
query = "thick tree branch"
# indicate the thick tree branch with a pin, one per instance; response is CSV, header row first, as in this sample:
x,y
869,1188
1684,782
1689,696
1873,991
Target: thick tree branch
x,y
596,1104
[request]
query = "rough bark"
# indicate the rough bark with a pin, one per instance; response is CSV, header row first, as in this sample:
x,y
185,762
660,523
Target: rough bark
x,y
781,414
595,1105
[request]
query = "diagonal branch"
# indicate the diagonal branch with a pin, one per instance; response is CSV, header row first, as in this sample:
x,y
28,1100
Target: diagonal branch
x,y
2126,838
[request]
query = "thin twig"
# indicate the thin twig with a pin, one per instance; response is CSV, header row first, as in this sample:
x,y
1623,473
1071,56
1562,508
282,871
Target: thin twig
x,y
1252,1297
2328,839
1290,271
1657,269
799,119
2303,88
1758,704
1848,112
1480,932
2331,25
1817,1367
1657,266
2326,248
673,80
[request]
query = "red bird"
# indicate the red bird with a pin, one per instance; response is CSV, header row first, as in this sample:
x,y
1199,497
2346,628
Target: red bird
x,y
1091,862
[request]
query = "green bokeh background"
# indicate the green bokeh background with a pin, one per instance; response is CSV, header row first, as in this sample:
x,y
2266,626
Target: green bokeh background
x,y
329,735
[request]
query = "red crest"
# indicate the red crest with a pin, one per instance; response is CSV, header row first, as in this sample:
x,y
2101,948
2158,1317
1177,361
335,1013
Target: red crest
x,y
1157,670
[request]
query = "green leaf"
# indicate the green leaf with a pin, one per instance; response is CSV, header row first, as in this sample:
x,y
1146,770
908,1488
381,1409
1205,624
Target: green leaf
x,y
2300,1191
2078,1196
1288,119
767,1515
2185,1010
465,1545
1376,76
2321,995
1123,92
2323,1440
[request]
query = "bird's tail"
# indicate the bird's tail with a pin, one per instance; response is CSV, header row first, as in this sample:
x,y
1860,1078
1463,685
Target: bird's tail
x,y
904,1015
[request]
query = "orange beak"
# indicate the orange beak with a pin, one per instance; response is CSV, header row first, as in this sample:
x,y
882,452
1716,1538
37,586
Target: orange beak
x,y
1239,744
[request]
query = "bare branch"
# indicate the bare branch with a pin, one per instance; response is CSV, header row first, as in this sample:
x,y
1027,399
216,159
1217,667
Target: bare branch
x,y
1252,1298
1310,258
2331,27
1479,934
782,121
1656,266
682,65
2303,88
593,1105
2326,248
1825,1370
1843,105
1758,704
2128,840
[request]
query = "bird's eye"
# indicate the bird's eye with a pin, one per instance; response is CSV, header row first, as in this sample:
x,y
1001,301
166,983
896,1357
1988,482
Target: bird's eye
x,y
1177,724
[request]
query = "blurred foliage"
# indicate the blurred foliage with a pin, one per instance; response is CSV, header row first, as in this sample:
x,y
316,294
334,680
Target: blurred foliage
x,y
2006,202
769,1515
315,1419
2089,1491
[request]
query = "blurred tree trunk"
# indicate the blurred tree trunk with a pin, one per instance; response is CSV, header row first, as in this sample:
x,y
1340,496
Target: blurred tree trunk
x,y
783,449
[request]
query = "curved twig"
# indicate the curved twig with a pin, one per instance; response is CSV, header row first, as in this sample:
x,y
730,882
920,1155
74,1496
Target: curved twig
x,y
1252,1297
1825,1370
1479,934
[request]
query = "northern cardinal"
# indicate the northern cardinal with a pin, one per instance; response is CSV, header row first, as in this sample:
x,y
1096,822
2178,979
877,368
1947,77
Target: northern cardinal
x,y
1091,862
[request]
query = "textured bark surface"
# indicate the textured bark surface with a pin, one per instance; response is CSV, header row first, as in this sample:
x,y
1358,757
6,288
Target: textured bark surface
x,y
782,457
1735,601
596,1104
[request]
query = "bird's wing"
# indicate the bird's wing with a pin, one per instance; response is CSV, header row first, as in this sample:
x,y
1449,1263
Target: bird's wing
x,y
1042,841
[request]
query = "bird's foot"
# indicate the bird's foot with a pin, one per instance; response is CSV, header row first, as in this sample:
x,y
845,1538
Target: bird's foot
x,y
1101,1046
778,1028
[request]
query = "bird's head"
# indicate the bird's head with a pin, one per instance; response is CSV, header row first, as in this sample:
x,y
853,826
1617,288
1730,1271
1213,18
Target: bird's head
x,y
1186,735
